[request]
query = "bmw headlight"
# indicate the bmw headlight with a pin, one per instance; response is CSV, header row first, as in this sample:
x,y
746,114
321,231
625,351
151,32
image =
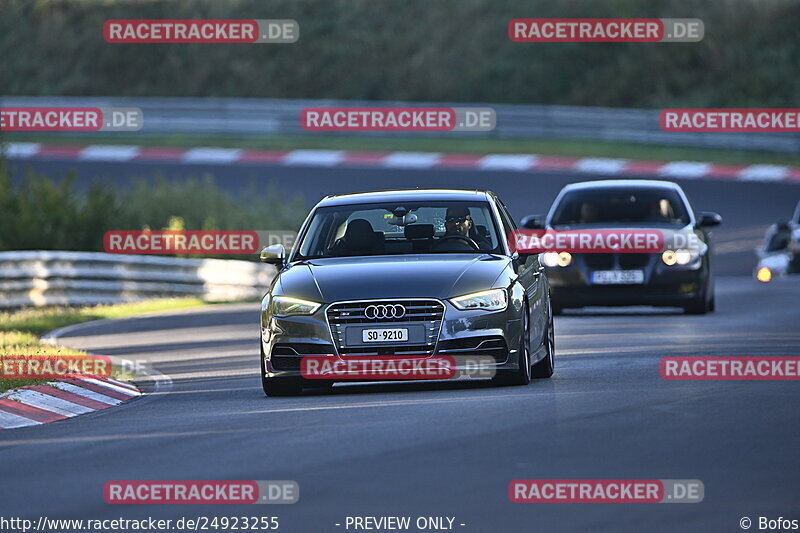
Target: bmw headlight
x,y
679,257
285,306
491,300
553,259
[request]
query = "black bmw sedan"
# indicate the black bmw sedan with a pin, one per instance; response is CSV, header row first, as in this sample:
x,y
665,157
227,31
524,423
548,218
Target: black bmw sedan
x,y
674,276
405,274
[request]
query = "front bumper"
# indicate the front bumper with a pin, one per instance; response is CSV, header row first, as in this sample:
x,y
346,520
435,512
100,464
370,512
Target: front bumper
x,y
461,334
669,286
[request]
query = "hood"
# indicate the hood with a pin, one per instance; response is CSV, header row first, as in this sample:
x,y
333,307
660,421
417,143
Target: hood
x,y
407,276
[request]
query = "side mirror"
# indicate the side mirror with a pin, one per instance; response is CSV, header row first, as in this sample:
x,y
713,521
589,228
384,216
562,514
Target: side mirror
x,y
273,255
707,219
532,222
521,260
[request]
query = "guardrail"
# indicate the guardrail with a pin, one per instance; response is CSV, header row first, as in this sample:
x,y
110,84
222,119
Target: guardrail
x,y
36,278
256,116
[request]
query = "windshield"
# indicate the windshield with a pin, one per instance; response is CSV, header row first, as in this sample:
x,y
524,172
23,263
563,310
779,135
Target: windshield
x,y
623,206
400,228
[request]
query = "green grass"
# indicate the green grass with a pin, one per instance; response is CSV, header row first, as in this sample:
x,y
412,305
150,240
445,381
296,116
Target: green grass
x,y
566,148
19,329
19,343
41,320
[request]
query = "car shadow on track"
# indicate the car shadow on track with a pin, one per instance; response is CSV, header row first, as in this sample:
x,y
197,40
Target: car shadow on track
x,y
411,386
622,311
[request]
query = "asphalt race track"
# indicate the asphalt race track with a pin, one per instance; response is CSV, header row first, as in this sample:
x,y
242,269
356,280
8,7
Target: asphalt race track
x,y
449,449
440,449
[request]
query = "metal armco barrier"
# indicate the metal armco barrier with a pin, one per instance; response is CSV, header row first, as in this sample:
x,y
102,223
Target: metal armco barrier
x,y
256,116
36,278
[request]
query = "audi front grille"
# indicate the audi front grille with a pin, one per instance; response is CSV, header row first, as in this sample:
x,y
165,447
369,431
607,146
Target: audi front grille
x,y
428,312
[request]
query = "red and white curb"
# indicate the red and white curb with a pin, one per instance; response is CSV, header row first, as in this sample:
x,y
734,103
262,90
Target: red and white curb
x,y
58,400
406,160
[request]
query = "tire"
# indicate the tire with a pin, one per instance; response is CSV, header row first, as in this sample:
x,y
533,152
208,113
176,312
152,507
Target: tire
x,y
699,307
794,264
544,368
319,385
277,387
704,304
521,376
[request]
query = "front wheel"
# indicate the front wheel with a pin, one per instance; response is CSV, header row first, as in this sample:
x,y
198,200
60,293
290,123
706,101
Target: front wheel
x,y
545,367
277,387
704,304
521,376
274,387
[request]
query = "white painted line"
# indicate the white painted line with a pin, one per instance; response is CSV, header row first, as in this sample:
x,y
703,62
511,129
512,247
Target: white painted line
x,y
20,150
125,384
108,153
600,165
69,387
112,386
685,169
764,173
321,158
48,403
211,155
9,421
507,162
411,160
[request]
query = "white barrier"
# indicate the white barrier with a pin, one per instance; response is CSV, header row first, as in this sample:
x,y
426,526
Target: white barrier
x,y
36,278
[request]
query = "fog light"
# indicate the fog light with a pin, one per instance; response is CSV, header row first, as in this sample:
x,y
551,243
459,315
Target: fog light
x,y
687,288
764,275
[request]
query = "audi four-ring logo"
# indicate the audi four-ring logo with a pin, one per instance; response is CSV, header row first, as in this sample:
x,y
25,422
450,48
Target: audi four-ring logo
x,y
385,311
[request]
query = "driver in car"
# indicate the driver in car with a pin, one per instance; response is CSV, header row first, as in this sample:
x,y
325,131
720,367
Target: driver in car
x,y
458,222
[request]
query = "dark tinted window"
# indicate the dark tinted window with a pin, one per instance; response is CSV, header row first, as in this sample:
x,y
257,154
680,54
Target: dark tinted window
x,y
621,206
400,228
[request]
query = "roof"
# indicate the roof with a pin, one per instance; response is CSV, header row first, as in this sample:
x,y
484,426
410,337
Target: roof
x,y
405,195
639,184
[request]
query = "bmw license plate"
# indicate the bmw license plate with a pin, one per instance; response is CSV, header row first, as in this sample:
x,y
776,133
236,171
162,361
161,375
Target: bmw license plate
x,y
618,277
384,335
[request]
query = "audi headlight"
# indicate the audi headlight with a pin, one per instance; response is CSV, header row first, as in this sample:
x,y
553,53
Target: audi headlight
x,y
491,300
284,306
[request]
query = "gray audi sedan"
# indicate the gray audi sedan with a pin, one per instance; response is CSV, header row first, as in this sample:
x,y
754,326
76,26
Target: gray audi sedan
x,y
405,274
